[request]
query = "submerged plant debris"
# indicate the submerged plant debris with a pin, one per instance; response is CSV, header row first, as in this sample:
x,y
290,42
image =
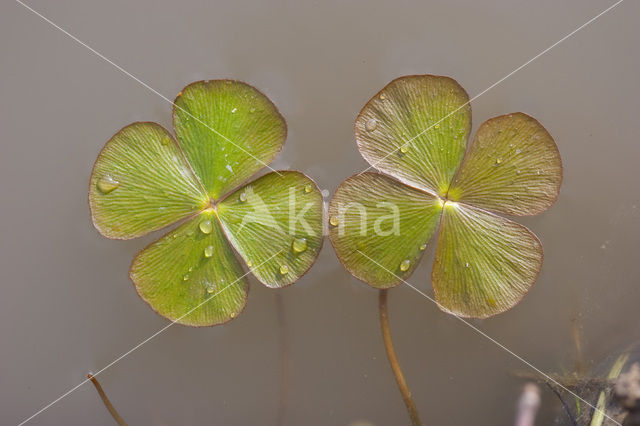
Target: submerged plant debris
x,y
144,180
415,132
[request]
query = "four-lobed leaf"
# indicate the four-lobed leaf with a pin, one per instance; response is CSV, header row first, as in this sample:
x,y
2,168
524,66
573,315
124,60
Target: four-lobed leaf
x,y
144,180
415,130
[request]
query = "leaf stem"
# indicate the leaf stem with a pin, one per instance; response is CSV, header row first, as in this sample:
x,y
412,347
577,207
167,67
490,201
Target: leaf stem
x,y
106,401
393,361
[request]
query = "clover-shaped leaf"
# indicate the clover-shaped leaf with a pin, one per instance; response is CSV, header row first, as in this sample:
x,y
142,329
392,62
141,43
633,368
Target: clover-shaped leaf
x,y
144,180
415,130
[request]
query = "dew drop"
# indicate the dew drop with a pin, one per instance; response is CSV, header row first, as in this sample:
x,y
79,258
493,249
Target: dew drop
x,y
210,287
383,97
334,221
208,251
404,265
106,184
186,277
423,247
466,265
404,148
252,110
233,111
284,269
371,125
517,172
205,226
249,264
299,245
518,151
498,161
308,188
243,197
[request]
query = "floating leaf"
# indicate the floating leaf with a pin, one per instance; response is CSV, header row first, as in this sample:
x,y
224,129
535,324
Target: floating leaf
x,y
379,225
179,280
141,183
416,129
513,166
228,131
278,214
484,263
144,180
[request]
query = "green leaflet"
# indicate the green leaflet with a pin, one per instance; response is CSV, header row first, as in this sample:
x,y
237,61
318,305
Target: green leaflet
x,y
513,166
416,130
278,214
141,183
484,263
374,217
228,131
191,275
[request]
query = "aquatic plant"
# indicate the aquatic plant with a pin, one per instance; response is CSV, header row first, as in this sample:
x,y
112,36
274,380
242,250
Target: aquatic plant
x,y
415,132
144,180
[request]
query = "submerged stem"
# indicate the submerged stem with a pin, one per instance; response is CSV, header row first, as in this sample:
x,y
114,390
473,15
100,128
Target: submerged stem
x,y
106,401
284,362
393,361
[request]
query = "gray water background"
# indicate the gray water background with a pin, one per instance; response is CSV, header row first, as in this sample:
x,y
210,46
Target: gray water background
x,y
67,305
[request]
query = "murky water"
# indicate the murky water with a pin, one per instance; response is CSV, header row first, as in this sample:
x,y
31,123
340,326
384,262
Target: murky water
x,y
68,306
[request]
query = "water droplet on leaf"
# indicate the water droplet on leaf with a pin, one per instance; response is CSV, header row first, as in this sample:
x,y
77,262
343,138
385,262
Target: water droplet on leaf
x,y
333,220
299,245
308,188
404,265
106,184
205,226
284,269
243,197
233,111
423,247
208,251
371,125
